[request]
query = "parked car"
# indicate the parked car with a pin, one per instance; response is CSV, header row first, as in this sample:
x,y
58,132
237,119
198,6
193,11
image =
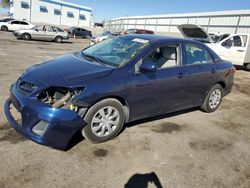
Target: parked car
x,y
79,32
15,25
98,25
103,36
138,31
42,32
117,81
6,20
231,47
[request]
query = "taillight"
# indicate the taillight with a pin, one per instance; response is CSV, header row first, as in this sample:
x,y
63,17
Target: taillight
x,y
232,69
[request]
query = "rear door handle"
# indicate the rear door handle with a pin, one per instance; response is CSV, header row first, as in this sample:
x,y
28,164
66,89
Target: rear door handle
x,y
241,50
213,71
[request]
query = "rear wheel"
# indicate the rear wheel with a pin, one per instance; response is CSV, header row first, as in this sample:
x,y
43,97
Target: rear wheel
x,y
4,28
247,66
213,99
26,36
58,39
104,121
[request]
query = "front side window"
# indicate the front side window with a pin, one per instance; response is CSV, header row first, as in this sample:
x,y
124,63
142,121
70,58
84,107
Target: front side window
x,y
165,56
57,29
197,55
43,9
235,41
25,5
117,51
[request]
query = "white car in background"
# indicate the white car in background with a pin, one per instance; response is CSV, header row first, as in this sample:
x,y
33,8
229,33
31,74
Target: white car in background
x,y
231,47
15,25
103,36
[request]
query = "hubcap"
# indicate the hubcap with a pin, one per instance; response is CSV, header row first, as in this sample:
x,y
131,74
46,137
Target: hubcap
x,y
215,98
105,121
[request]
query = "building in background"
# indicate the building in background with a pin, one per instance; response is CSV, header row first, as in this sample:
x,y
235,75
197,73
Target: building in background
x,y
54,12
237,21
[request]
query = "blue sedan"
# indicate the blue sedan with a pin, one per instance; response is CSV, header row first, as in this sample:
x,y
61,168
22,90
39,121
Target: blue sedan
x,y
123,79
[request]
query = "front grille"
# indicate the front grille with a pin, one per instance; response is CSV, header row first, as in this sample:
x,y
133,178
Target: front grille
x,y
25,87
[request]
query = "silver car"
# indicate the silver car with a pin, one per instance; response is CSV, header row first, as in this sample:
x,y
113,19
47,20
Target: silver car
x,y
42,32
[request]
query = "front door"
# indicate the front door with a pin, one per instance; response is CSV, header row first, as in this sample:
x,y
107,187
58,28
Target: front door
x,y
161,91
234,49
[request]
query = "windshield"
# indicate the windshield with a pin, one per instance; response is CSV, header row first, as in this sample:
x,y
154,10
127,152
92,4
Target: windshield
x,y
117,51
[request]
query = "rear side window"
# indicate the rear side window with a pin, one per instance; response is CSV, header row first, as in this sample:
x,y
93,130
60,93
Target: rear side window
x,y
24,23
197,55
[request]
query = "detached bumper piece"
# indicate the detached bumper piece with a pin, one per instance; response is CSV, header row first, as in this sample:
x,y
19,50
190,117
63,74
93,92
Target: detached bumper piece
x,y
41,123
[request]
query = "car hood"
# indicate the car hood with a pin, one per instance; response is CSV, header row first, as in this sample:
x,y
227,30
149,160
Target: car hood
x,y
67,70
194,32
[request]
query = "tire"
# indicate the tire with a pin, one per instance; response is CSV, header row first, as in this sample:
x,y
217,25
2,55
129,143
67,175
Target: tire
x,y
213,99
58,39
247,67
97,128
26,36
4,28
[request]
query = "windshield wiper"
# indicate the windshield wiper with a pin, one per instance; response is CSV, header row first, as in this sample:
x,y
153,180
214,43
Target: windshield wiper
x,y
96,59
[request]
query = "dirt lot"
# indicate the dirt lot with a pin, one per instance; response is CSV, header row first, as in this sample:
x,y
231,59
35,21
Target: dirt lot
x,y
191,149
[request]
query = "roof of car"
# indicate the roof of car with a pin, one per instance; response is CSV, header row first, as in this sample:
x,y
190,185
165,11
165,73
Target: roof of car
x,y
159,38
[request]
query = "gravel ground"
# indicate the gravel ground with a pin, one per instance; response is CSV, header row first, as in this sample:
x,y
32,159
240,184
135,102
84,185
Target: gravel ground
x,y
186,149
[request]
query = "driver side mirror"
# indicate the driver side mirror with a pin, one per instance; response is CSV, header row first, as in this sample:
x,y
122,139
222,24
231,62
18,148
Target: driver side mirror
x,y
36,29
148,66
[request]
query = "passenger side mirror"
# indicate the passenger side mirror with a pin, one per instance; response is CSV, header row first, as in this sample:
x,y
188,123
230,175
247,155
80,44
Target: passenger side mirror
x,y
148,66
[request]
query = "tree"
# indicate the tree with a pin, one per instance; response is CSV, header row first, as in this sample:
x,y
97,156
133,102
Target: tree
x,y
5,3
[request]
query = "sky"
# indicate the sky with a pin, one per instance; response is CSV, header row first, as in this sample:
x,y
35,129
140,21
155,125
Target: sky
x,y
108,9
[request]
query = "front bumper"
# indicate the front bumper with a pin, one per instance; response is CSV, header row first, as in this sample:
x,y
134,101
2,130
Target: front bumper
x,y
62,123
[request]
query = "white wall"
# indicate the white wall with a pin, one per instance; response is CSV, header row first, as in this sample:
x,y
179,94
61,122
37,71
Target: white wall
x,y
49,17
237,21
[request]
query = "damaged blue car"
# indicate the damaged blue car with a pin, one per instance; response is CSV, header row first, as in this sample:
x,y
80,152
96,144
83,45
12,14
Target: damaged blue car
x,y
123,79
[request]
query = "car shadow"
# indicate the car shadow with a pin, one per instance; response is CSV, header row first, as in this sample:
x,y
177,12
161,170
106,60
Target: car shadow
x,y
143,181
45,41
240,67
77,138
172,114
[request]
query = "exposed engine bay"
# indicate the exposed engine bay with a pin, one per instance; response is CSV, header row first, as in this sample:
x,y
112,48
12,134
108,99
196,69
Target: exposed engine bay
x,y
63,98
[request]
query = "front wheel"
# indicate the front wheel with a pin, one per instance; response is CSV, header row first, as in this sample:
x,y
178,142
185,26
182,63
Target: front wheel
x,y
104,121
213,99
26,36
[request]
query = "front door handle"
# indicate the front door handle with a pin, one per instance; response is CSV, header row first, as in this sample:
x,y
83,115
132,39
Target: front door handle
x,y
213,71
181,75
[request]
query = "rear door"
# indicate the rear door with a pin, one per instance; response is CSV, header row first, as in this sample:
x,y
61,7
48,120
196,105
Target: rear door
x,y
234,49
202,72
